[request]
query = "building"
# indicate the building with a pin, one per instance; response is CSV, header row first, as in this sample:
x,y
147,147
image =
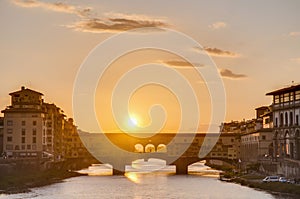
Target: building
x,y
256,143
53,131
24,124
35,129
286,131
1,136
227,147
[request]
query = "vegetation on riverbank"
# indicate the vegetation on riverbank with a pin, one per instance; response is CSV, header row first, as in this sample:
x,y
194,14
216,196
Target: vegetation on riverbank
x,y
22,181
277,187
255,181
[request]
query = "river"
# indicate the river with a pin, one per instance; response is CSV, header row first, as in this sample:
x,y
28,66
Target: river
x,y
202,182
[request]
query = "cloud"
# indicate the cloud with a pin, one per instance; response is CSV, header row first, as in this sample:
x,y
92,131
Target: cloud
x,y
218,25
294,34
180,64
229,74
217,52
297,60
112,22
56,7
97,25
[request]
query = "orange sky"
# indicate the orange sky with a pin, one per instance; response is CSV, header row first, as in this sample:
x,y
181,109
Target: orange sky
x,y
255,46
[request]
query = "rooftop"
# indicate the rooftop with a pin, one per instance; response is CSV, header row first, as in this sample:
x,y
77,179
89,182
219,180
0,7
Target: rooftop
x,y
25,89
285,90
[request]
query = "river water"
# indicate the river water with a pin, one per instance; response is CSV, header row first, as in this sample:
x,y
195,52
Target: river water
x,y
202,182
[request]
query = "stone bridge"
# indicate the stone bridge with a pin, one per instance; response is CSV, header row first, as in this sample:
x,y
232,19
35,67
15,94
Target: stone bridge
x,y
181,149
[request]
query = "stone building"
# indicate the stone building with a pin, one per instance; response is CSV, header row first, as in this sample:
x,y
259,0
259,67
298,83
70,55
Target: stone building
x,y
255,136
256,143
35,129
286,131
1,136
24,124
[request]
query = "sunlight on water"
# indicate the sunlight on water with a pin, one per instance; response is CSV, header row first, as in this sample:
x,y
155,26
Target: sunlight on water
x,y
133,177
97,170
138,182
152,165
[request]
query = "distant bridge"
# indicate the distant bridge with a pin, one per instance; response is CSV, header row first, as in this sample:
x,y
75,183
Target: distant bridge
x,y
180,149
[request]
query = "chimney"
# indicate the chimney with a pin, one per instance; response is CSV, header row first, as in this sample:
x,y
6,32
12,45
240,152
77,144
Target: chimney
x,y
23,88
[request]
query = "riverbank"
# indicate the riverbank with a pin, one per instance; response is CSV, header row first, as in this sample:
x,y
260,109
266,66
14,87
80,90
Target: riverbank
x,y
255,181
20,182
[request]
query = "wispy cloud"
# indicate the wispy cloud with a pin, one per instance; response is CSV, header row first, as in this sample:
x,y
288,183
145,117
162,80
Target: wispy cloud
x,y
218,25
231,75
180,64
56,7
294,34
111,22
97,25
297,60
217,52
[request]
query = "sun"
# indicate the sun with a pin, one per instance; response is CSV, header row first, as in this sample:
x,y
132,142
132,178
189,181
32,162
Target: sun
x,y
133,121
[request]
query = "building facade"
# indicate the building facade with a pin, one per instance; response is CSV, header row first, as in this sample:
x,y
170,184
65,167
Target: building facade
x,y
1,136
35,129
286,131
286,111
23,124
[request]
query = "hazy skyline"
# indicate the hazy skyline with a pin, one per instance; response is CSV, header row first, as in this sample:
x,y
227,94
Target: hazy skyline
x,y
254,44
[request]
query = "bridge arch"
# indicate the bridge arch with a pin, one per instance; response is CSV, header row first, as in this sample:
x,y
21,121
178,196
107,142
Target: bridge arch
x,y
149,148
162,148
139,148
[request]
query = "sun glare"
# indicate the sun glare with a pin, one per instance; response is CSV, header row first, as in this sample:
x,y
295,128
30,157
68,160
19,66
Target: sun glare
x,y
133,121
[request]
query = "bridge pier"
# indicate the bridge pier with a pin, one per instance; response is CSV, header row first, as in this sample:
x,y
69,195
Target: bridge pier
x,y
117,172
181,169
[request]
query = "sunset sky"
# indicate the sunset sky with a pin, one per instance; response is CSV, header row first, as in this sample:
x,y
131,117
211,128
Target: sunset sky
x,y
255,44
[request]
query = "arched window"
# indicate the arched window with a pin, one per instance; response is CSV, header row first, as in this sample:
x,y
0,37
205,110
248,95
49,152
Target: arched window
x,y
162,148
149,148
287,144
138,148
286,118
281,119
291,118
297,142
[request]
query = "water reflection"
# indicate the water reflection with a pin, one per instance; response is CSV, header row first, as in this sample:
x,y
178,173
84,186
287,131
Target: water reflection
x,y
156,165
203,183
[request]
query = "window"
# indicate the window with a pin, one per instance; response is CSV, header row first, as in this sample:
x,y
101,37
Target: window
x,y
23,147
23,139
34,140
297,95
9,139
23,131
23,123
286,118
291,118
286,97
33,131
276,122
291,97
281,119
9,147
34,123
28,146
263,137
297,120
9,131
276,99
9,122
